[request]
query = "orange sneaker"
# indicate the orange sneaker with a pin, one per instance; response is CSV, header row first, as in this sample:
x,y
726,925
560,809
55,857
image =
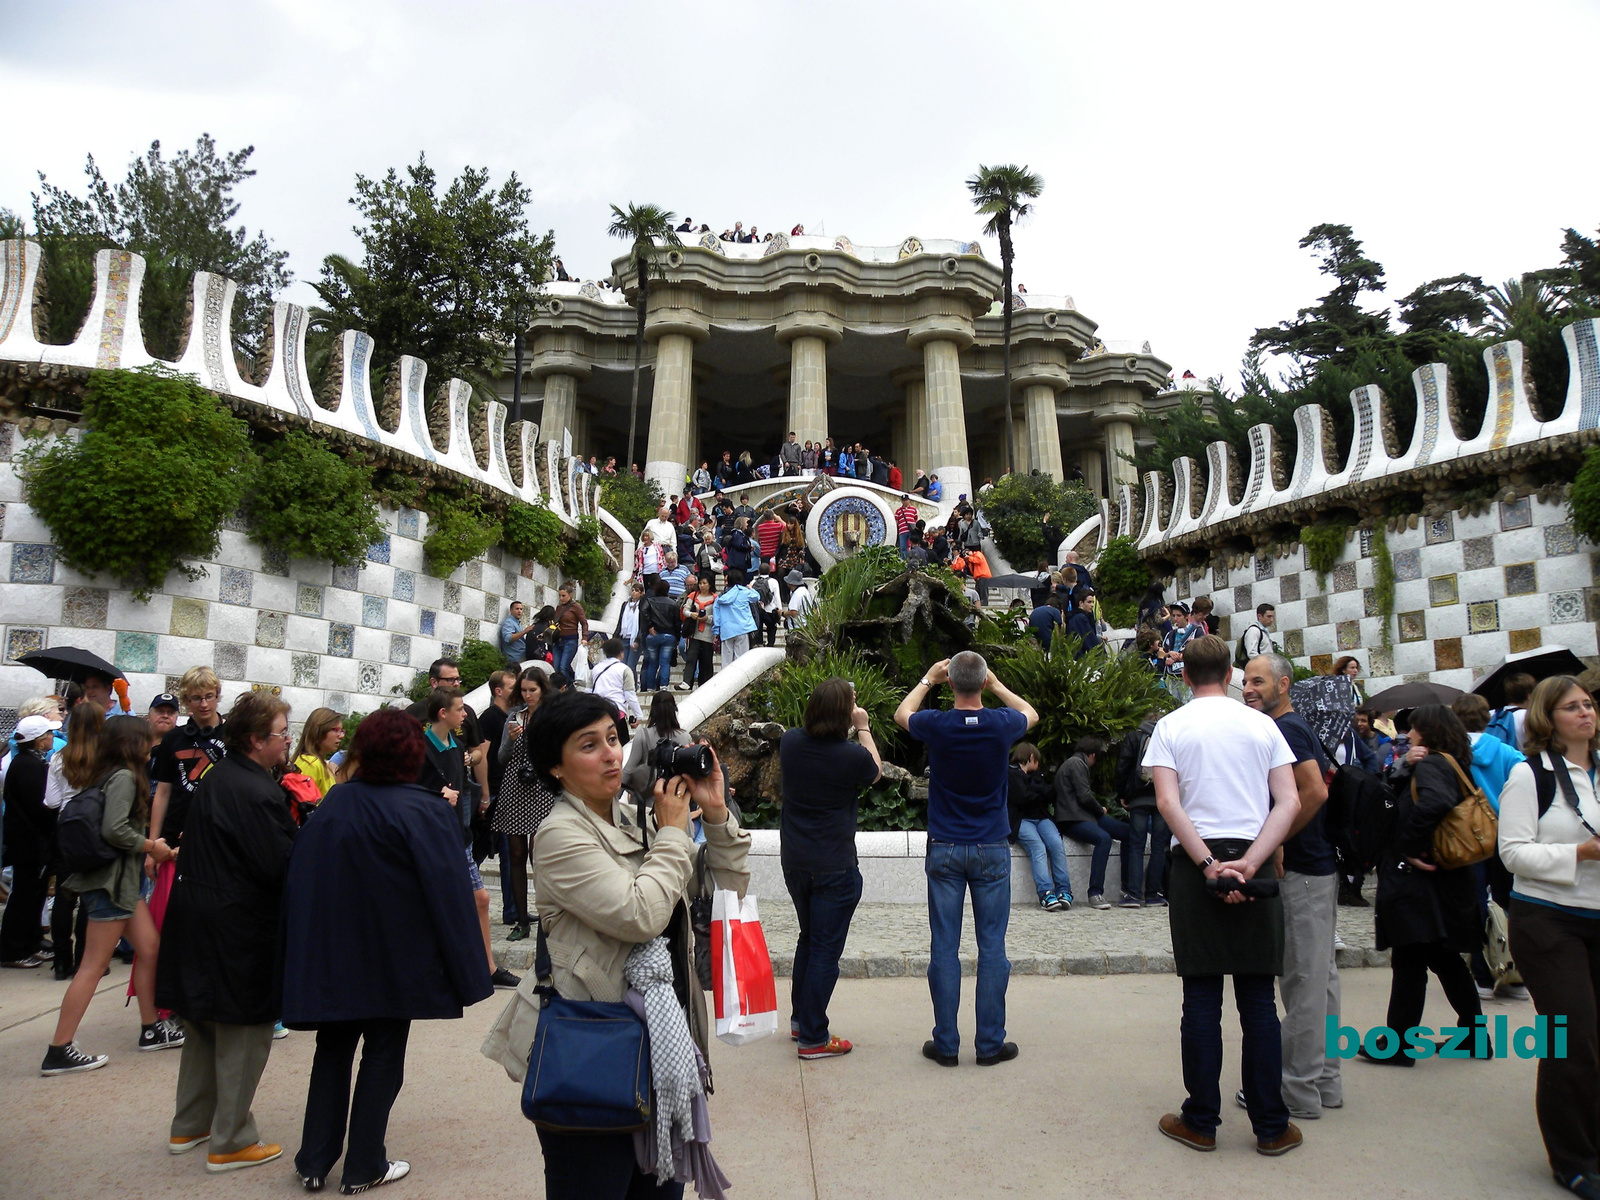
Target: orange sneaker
x,y
182,1145
835,1047
250,1156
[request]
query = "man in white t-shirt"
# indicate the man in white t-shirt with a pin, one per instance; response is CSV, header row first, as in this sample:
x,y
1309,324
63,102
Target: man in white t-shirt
x,y
1224,780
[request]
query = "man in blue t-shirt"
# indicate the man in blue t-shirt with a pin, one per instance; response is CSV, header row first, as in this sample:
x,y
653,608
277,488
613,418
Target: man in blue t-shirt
x,y
1310,890
969,750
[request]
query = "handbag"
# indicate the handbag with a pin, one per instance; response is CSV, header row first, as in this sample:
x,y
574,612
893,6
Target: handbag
x,y
1470,831
589,1066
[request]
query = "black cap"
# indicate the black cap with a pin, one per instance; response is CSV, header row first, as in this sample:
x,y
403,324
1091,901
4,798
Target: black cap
x,y
166,700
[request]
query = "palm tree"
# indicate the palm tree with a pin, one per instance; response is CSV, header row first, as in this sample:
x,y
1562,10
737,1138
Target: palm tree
x,y
1517,302
643,225
1002,194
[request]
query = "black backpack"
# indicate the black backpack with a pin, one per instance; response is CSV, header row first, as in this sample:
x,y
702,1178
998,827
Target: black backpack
x,y
1363,816
80,847
1130,780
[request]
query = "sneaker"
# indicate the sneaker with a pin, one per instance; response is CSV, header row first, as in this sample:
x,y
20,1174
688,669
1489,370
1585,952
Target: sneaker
x,y
930,1051
397,1170
279,1032
1587,1186
311,1183
1514,991
1066,900
250,1156
1049,903
503,980
64,1060
1485,993
1096,900
1289,1139
1008,1051
160,1036
517,934
835,1047
1173,1126
1338,943
1129,901
182,1145
1156,901
30,963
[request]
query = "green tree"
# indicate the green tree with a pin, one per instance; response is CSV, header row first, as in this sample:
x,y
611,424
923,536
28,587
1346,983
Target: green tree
x,y
1002,194
1329,328
444,277
645,228
311,502
175,212
1032,513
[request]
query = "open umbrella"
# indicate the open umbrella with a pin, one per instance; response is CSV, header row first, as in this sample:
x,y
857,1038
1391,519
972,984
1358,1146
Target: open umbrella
x,y
1327,703
1412,695
69,662
1027,582
1541,664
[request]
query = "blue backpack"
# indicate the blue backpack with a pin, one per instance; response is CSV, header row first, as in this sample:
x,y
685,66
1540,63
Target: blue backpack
x,y
1504,726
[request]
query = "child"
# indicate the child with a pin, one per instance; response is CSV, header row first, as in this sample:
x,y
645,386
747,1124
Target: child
x,y
1030,799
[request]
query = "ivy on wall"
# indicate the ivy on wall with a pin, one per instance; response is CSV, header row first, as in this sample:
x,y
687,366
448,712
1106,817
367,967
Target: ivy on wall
x,y
1324,544
458,531
586,563
1383,582
1583,497
533,531
309,501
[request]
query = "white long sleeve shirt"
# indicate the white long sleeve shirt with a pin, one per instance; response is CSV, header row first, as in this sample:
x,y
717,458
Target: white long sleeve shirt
x,y
614,680
1542,852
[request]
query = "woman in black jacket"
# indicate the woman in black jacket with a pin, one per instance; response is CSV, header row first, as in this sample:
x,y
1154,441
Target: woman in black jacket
x,y
30,834
218,967
379,930
1425,916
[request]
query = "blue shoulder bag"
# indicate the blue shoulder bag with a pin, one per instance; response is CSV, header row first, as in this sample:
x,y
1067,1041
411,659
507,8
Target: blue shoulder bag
x,y
589,1068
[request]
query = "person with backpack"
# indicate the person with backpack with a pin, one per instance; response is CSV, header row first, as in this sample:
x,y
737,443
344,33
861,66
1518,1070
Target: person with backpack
x,y
319,741
1257,639
765,585
102,837
1138,795
1492,763
1426,916
1549,817
1507,724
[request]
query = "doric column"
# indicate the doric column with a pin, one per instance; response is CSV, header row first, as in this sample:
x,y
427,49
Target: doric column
x,y
560,408
667,453
1119,442
947,418
916,423
1021,460
1043,430
808,334
1093,465
1117,409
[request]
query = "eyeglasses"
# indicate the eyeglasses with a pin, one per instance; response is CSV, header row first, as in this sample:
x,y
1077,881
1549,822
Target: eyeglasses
x,y
206,698
284,735
448,679
1577,706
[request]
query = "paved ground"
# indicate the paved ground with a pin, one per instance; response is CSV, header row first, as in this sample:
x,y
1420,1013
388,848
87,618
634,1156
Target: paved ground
x,y
1075,1115
888,940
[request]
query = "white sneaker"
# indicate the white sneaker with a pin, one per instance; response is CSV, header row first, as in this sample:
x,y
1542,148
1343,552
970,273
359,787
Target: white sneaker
x,y
1514,991
398,1169
1338,943
1485,993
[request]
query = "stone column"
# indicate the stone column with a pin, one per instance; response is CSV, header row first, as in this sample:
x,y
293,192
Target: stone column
x,y
667,451
1044,431
808,333
916,424
1021,459
1093,465
1119,442
946,418
560,408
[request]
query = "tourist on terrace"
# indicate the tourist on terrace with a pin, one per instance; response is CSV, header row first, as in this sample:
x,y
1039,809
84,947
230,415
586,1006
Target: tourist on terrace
x,y
610,468
968,751
378,931
744,470
791,455
572,625
561,273
521,802
823,775
727,473
845,463
687,226
733,617
919,484
1029,798
896,480
219,966
828,458
606,891
1224,780
934,490
808,457
702,477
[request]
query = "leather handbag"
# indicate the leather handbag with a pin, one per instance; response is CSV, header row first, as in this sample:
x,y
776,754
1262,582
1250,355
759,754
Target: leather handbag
x,y
1470,831
589,1069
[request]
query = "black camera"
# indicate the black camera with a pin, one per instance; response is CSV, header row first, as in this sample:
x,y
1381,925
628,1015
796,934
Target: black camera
x,y
668,759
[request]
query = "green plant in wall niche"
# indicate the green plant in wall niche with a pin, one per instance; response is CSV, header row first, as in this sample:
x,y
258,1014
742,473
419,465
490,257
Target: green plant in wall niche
x,y
159,467
1383,581
1119,572
629,499
1583,497
533,531
1324,544
311,502
458,531
585,562
395,488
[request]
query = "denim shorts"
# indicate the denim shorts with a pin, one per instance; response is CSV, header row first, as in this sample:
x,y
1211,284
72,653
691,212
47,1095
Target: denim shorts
x,y
472,873
97,906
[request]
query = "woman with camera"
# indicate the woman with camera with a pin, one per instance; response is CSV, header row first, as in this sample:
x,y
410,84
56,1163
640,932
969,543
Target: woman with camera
x,y
1426,916
523,801
605,885
823,773
1549,814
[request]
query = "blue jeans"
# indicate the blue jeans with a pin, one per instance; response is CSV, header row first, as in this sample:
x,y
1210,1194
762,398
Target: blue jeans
x,y
1261,1068
630,656
953,869
824,902
1046,855
566,649
657,660
1100,833
1145,823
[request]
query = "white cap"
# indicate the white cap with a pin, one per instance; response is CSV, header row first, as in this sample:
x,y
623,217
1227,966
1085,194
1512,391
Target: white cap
x,y
31,728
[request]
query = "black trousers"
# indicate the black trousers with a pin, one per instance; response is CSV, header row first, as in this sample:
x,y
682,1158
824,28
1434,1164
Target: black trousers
x,y
769,628
329,1106
597,1166
1559,957
68,952
1408,989
697,665
20,931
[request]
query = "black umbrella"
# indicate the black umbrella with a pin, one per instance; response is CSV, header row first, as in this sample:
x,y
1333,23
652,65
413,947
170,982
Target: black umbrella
x,y
1019,581
1327,703
69,662
1412,695
1541,664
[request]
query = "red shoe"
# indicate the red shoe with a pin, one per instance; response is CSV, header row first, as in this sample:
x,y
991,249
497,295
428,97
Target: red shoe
x,y
835,1047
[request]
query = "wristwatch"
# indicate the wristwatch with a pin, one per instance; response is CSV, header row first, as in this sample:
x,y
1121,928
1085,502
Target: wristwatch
x,y
1207,861
926,682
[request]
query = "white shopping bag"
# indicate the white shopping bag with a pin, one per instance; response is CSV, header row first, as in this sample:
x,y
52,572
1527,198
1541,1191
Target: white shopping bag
x,y
742,986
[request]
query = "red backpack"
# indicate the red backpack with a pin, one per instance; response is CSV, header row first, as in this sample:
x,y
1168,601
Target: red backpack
x,y
304,795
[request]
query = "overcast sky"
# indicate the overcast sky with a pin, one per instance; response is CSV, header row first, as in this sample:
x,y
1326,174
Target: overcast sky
x,y
1185,148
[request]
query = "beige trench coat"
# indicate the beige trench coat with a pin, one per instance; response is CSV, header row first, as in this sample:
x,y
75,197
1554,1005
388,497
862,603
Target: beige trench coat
x,y
599,893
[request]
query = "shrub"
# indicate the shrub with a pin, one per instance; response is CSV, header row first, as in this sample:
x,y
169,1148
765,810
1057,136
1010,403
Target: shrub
x,y
629,499
1121,614
782,694
158,468
1017,507
533,531
1101,693
1583,497
843,585
1324,544
586,562
1119,572
458,531
311,502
